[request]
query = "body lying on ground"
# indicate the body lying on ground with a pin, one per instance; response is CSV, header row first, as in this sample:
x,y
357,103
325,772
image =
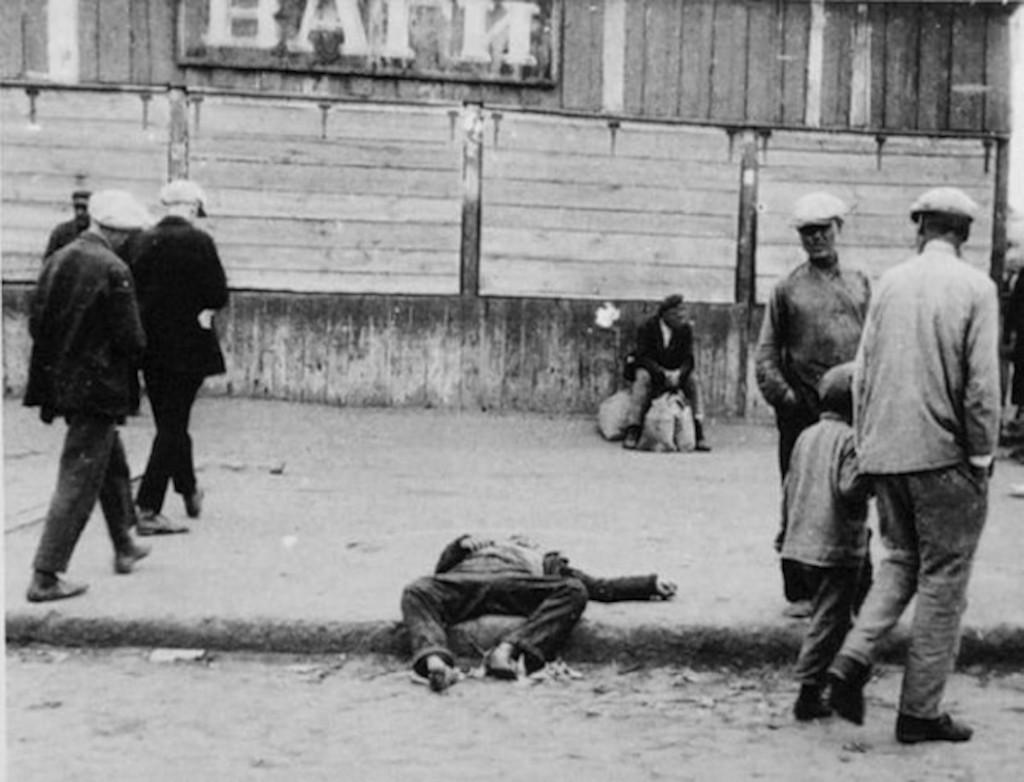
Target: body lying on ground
x,y
476,576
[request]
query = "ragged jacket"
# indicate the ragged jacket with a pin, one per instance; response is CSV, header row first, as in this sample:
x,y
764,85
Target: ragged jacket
x,y
824,507
813,322
87,336
510,559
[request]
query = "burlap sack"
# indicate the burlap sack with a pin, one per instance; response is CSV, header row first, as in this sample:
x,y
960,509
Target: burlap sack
x,y
611,415
668,425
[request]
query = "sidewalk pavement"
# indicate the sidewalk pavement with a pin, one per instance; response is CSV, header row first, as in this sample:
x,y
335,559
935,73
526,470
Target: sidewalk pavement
x,y
316,517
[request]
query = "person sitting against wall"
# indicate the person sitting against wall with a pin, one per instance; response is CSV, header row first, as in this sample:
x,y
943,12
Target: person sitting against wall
x,y
663,361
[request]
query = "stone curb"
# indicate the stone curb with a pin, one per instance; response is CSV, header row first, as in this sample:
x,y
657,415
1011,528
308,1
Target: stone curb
x,y
694,645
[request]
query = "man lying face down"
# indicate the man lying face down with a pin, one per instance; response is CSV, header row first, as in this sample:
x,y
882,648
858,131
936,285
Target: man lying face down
x,y
477,576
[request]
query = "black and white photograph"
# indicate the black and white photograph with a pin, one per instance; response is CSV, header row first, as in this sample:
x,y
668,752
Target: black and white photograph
x,y
477,390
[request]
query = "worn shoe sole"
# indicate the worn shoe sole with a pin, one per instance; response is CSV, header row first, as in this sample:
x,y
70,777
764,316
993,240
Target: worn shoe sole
x,y
59,591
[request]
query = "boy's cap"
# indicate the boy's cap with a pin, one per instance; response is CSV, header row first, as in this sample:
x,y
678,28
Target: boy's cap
x,y
817,209
118,210
835,389
183,191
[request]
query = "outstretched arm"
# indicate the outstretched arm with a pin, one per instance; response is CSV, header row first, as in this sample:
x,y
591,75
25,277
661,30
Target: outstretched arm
x,y
614,590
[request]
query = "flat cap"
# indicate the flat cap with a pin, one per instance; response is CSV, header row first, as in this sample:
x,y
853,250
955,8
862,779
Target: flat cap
x,y
80,195
671,301
119,210
183,191
818,209
945,200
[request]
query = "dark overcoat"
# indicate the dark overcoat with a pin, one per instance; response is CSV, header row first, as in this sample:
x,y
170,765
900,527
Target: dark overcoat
x,y
179,274
87,336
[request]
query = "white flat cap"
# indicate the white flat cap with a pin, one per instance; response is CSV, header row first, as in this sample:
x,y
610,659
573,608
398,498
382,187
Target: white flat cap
x,y
183,191
945,200
118,209
817,209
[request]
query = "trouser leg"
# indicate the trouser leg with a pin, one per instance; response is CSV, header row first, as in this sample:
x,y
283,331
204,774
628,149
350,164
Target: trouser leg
x,y
640,395
116,497
429,606
171,396
834,594
790,426
895,580
952,505
83,466
552,607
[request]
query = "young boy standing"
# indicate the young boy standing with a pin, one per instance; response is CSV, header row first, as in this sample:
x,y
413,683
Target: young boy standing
x,y
825,542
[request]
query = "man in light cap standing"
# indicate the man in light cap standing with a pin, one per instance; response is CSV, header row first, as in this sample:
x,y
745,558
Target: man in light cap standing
x,y
926,416
181,283
812,323
87,339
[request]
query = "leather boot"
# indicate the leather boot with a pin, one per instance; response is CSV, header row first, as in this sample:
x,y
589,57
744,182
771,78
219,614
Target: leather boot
x,y
847,678
809,704
913,730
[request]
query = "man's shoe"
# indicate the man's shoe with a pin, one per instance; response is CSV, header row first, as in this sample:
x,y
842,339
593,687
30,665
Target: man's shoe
x,y
194,503
809,705
847,678
500,663
702,446
914,730
124,561
632,438
46,587
152,523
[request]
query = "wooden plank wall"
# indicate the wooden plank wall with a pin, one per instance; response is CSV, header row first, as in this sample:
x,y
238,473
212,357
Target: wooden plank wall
x,y
879,190
319,198
924,66
580,208
430,351
64,140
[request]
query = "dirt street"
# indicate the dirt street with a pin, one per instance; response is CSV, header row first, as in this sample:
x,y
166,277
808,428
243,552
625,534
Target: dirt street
x,y
136,714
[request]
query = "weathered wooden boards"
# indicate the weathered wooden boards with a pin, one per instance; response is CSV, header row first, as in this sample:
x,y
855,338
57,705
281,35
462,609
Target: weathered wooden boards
x,y
61,140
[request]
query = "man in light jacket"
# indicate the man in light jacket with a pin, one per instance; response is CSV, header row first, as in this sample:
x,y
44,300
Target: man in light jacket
x,y
926,416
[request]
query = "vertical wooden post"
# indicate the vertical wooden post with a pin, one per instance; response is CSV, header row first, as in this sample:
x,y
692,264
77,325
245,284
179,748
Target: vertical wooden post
x,y
997,265
746,258
177,150
472,182
746,239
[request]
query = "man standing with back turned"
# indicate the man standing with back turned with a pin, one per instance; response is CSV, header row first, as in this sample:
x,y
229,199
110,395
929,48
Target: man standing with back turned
x,y
926,415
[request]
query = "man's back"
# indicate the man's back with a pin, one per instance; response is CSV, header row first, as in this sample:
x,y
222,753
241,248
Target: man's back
x,y
927,389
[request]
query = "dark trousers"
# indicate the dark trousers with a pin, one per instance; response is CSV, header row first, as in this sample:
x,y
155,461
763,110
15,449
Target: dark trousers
x,y
171,396
791,425
92,466
834,594
551,606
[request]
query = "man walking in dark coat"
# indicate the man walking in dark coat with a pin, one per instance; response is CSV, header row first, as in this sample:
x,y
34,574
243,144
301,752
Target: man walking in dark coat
x,y
663,361
181,284
87,340
66,232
